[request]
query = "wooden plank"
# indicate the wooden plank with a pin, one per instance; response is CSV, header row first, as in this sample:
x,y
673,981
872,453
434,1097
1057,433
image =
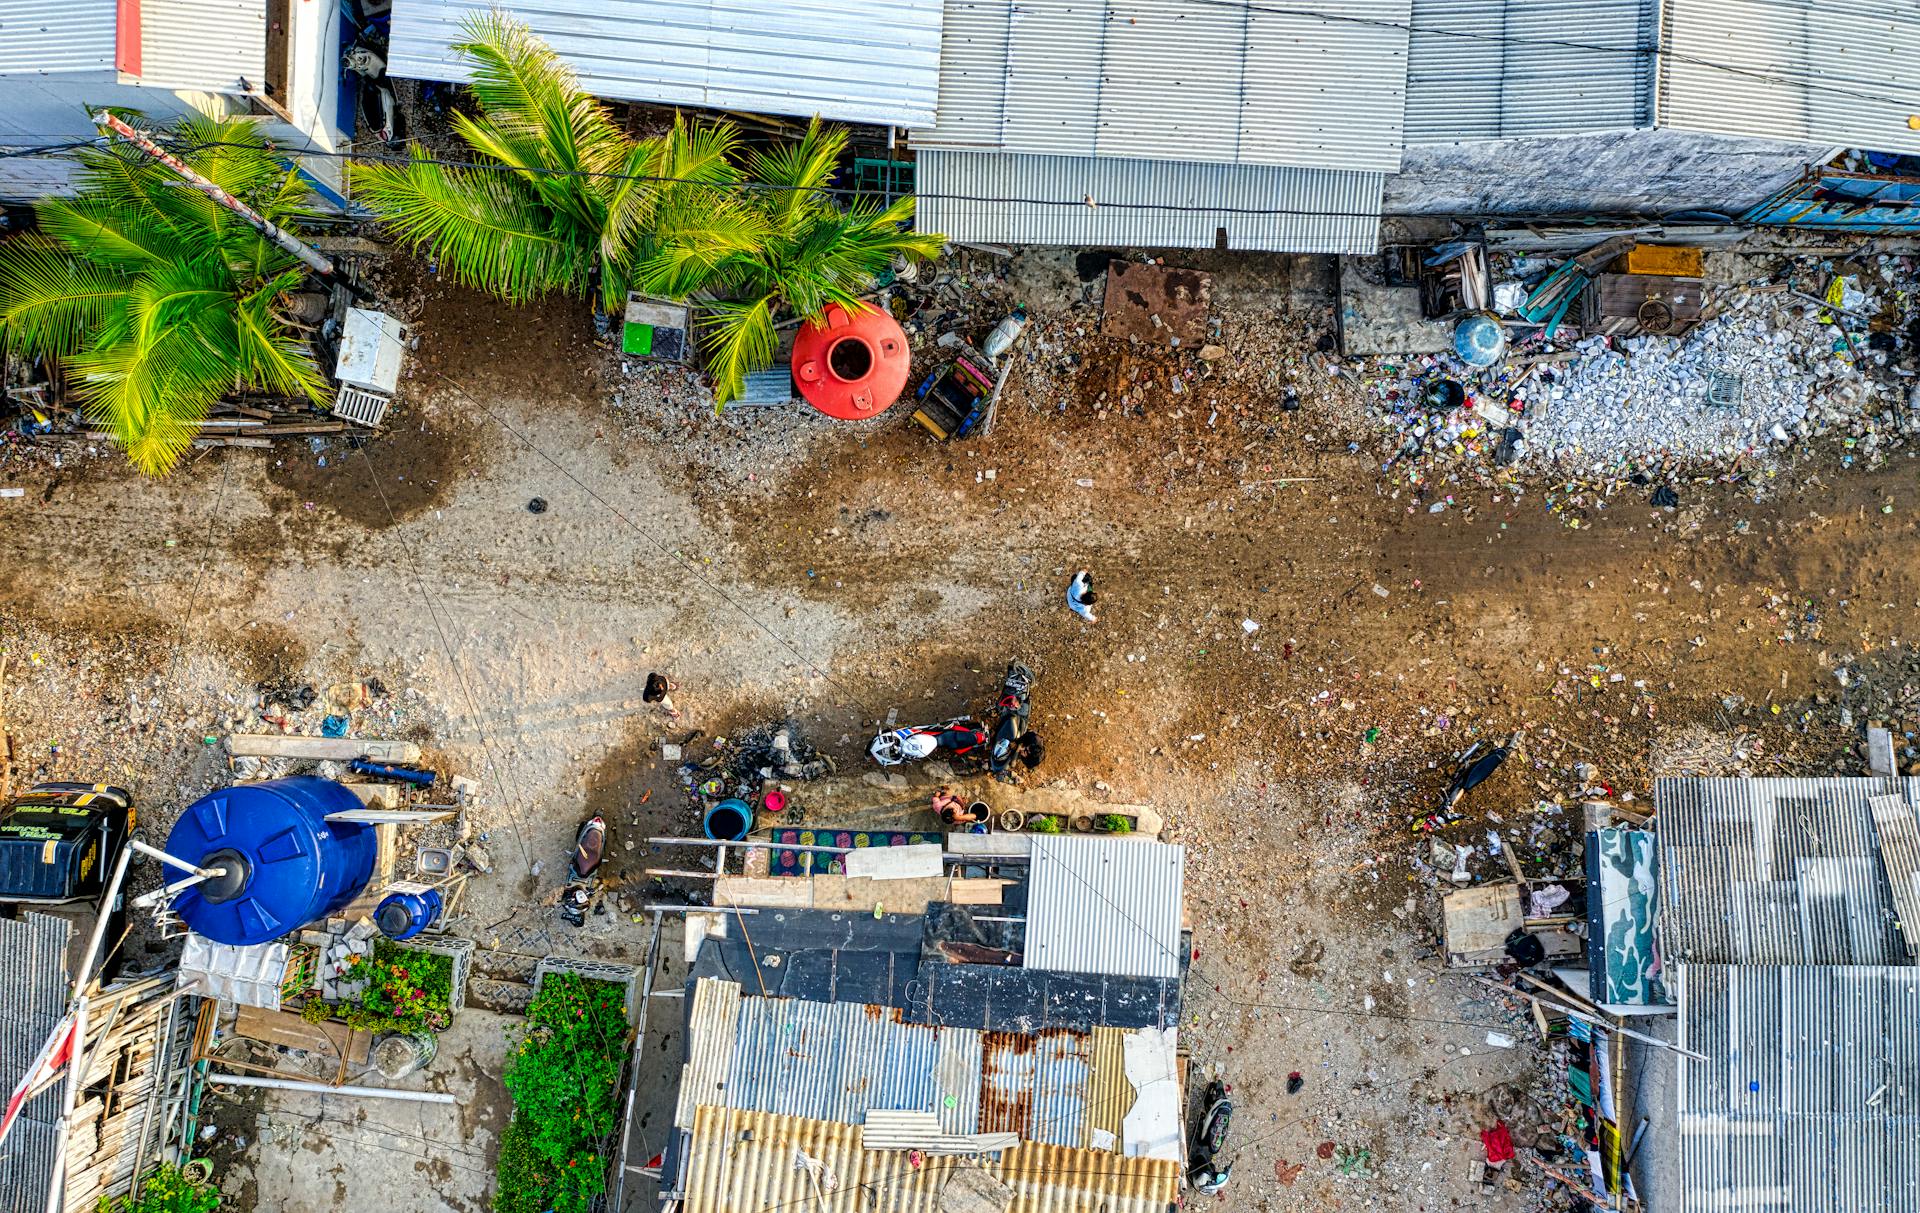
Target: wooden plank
x,y
289,1031
339,749
390,817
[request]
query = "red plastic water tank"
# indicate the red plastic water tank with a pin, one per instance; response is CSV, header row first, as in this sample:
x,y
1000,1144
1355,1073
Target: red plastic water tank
x,y
851,365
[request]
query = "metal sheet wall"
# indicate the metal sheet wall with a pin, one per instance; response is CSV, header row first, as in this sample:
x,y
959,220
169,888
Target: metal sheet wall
x,y
1176,79
1831,74
33,997
997,198
1504,69
210,45
49,37
875,61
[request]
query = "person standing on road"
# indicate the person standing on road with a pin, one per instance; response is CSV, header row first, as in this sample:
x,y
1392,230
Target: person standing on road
x,y
657,691
1080,595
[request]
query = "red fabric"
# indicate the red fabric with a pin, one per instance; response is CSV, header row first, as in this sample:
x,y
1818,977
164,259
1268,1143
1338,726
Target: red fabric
x,y
1498,1141
54,1055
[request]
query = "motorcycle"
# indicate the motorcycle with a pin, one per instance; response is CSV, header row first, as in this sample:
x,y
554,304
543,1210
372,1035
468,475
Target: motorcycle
x,y
1471,773
379,109
1205,1172
1010,736
960,737
589,848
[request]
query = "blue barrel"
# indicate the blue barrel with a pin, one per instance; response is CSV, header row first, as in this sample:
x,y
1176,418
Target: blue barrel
x,y
728,821
286,864
407,911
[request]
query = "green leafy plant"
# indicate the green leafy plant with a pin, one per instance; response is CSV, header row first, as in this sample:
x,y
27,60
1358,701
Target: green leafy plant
x,y
1114,823
562,199
156,299
316,1011
407,990
785,245
1043,824
563,1073
167,1190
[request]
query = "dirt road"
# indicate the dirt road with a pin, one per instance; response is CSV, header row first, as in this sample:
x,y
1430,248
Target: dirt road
x,y
779,566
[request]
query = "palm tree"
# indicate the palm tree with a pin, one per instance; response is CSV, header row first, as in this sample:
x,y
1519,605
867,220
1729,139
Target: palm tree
x,y
778,243
156,299
560,198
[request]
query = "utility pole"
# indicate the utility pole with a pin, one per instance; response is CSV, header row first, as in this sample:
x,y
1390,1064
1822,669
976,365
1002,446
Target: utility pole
x,y
254,219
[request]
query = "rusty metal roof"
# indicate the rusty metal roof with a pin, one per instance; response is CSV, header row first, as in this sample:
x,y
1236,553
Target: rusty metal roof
x,y
749,1162
841,1061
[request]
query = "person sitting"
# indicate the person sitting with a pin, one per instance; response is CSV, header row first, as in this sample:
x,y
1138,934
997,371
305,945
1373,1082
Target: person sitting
x,y
957,814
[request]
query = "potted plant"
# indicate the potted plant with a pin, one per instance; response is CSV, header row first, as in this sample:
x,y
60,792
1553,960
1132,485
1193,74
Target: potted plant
x,y
1012,819
1043,823
1114,823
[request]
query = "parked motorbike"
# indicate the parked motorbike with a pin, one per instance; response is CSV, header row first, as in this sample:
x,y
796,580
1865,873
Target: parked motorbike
x,y
589,848
379,110
1011,738
1205,1172
1471,773
961,737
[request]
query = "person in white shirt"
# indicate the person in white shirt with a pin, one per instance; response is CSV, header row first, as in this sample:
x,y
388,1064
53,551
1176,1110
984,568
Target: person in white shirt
x,y
1080,595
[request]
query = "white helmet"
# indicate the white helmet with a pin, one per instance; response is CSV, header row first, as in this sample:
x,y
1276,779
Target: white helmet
x,y
920,745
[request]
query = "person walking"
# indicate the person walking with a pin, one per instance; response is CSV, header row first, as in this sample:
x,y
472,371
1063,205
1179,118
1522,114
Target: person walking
x,y
1080,595
658,690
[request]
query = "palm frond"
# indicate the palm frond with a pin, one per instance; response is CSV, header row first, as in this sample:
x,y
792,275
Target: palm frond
x,y
739,338
524,85
273,357
159,366
50,299
485,233
800,170
107,236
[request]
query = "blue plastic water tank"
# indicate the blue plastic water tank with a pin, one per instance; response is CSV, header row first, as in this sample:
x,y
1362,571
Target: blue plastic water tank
x,y
287,865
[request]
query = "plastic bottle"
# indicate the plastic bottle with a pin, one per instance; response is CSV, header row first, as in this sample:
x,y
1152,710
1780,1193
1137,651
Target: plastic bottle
x,y
1004,334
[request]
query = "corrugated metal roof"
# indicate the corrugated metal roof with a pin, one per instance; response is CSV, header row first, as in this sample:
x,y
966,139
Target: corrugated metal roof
x,y
1506,69
1165,79
203,44
751,1162
33,996
874,61
843,1061
1809,1097
53,37
1775,871
1824,72
1898,831
1328,211
1105,905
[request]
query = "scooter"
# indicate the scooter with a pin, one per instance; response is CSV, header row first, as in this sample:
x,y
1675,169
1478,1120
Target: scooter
x,y
1205,1173
1471,773
589,848
959,737
1010,723
379,109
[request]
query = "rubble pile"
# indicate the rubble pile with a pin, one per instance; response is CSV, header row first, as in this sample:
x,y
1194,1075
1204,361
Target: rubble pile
x,y
1772,364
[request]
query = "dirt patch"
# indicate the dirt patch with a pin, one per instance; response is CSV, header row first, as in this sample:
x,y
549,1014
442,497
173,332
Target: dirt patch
x,y
269,652
379,481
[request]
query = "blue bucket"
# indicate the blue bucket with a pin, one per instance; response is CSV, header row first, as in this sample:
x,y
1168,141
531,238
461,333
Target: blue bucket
x,y
728,821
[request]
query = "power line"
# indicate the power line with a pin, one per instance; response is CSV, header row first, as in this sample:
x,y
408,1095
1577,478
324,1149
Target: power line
x,y
446,647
